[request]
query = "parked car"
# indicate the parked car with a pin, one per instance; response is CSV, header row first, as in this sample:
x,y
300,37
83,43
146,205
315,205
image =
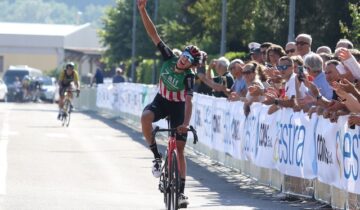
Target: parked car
x,y
48,88
3,91
25,75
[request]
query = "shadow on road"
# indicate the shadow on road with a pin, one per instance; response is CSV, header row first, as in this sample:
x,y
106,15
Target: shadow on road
x,y
225,187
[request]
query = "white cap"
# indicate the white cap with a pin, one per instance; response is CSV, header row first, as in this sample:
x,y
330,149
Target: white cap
x,y
254,45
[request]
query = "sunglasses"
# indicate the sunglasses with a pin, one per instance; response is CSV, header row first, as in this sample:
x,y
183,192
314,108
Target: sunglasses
x,y
301,43
188,56
290,51
282,67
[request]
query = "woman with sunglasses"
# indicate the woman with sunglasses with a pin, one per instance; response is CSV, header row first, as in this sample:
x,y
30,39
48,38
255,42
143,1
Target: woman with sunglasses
x,y
174,99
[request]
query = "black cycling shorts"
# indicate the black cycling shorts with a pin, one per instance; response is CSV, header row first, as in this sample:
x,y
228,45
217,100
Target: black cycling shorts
x,y
63,88
161,107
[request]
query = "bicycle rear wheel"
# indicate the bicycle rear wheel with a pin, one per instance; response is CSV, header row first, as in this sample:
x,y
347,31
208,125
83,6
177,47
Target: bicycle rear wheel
x,y
174,182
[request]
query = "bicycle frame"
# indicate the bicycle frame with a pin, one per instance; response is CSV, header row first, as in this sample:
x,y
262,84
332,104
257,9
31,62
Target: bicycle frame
x,y
170,183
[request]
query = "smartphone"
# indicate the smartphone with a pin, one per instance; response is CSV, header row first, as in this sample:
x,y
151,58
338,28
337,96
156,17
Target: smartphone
x,y
301,74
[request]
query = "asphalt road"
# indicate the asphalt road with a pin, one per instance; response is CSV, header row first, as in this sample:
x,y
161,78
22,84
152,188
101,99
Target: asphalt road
x,y
99,163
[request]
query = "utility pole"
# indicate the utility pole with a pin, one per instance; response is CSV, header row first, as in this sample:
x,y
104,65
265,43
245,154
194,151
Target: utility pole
x,y
133,43
223,28
153,79
291,35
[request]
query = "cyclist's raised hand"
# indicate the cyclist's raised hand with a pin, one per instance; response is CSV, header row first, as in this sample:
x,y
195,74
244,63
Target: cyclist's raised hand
x,y
141,4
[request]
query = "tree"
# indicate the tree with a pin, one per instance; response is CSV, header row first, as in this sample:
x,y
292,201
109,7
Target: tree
x,y
352,31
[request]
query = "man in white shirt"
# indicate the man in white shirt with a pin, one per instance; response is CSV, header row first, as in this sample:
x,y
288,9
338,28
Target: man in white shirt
x,y
286,68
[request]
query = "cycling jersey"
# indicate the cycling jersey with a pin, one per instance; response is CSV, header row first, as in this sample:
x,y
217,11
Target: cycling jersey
x,y
65,79
174,86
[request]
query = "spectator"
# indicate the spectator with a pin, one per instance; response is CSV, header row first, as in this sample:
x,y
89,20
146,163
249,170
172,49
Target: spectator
x,y
263,47
356,54
98,77
239,88
118,78
223,81
349,61
345,43
201,69
274,52
292,92
303,44
298,62
251,76
325,57
290,49
323,49
255,52
314,65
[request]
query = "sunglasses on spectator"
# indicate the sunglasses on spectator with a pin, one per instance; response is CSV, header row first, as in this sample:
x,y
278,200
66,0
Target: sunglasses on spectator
x,y
301,43
290,51
282,67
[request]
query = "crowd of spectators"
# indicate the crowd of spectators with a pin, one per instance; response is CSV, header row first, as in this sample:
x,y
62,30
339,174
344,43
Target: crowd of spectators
x,y
325,82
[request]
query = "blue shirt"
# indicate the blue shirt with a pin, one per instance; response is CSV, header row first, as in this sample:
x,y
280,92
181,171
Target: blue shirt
x,y
323,86
239,85
99,78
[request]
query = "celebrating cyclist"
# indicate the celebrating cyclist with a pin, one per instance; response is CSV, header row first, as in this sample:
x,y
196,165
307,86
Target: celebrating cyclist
x,y
174,98
66,78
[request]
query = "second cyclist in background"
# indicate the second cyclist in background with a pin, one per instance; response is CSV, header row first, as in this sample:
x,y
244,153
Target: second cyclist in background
x,y
67,77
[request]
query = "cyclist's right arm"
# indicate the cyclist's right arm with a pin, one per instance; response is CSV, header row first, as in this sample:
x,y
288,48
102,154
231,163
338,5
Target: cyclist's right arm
x,y
148,24
61,78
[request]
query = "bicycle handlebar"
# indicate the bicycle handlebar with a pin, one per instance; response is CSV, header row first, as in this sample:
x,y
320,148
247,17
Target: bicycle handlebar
x,y
191,128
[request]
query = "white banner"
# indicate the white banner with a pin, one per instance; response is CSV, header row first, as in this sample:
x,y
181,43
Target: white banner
x,y
286,140
235,122
264,148
202,112
294,144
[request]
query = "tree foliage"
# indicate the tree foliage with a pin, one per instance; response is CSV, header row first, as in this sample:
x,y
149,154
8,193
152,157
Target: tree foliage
x,y
352,31
51,12
199,22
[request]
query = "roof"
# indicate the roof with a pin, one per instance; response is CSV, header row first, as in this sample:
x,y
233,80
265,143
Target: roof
x,y
88,51
39,29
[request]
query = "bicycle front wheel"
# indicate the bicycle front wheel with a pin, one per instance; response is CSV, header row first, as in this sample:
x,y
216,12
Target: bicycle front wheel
x,y
67,108
174,182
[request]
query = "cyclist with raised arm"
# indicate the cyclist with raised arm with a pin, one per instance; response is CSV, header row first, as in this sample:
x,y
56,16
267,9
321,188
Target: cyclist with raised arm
x,y
174,99
67,76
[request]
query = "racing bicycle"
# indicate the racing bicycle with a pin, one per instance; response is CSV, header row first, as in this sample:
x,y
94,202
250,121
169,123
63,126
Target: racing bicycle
x,y
67,109
169,183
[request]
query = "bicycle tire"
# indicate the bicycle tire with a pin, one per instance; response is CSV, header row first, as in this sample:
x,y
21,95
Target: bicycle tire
x,y
175,182
67,107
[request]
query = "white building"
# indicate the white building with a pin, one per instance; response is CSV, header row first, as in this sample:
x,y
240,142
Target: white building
x,y
47,46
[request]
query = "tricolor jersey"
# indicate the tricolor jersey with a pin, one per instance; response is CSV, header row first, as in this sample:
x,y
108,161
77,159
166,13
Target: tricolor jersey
x,y
174,86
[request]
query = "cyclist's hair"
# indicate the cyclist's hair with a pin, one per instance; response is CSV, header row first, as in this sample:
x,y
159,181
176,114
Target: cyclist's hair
x,y
194,52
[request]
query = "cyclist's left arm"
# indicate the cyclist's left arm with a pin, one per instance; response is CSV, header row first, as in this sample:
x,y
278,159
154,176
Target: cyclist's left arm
x,y
189,87
76,80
